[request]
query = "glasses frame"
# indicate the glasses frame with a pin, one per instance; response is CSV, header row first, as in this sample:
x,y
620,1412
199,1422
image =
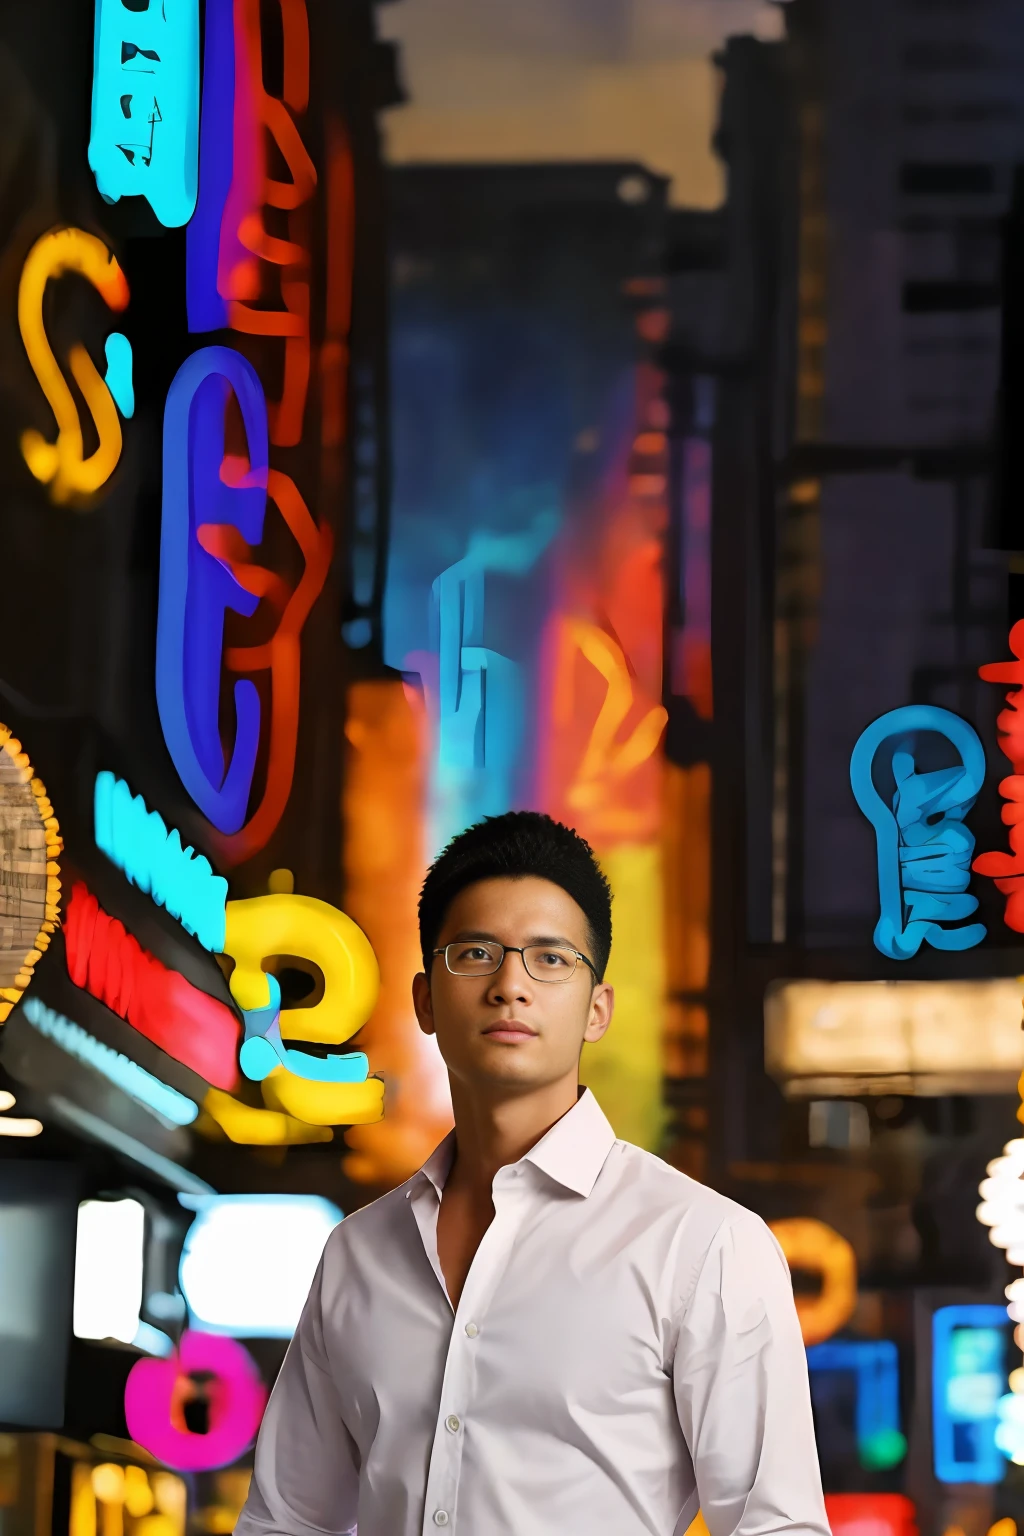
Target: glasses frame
x,y
516,949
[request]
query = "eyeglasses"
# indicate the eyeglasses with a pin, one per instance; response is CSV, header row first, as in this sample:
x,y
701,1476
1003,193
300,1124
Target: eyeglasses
x,y
482,957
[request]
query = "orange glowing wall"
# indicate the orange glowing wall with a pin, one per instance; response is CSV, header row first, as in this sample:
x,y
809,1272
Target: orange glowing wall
x,y
387,739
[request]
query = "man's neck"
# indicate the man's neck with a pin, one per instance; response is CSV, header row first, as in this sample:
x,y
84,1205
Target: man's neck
x,y
492,1133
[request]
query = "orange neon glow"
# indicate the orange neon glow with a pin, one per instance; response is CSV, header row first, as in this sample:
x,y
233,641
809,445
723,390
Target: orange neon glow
x,y
1007,869
63,466
604,658
280,655
385,860
619,737
819,1249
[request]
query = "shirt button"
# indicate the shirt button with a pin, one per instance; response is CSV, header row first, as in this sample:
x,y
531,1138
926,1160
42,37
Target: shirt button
x,y
452,1423
440,1517
471,1330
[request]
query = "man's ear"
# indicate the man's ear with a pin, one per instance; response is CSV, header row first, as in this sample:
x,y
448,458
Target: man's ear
x,y
602,1006
423,1003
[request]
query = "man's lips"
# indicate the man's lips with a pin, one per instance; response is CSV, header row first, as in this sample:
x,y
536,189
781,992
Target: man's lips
x,y
510,1030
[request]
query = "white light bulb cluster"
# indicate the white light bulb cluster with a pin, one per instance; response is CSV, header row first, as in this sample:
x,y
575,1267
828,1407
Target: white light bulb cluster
x,y
1002,1211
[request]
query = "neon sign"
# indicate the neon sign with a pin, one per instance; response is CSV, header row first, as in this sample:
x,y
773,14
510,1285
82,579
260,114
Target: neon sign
x,y
874,1365
111,965
181,881
924,848
968,1378
479,707
1002,1209
63,466
144,139
1007,869
321,1090
331,1091
121,1070
197,588
228,243
157,1392
811,1245
249,1260
213,510
30,843
870,1514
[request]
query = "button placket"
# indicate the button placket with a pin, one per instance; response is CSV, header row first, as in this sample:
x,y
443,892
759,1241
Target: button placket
x,y
485,1272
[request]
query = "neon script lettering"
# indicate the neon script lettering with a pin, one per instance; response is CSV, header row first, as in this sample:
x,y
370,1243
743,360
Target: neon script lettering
x,y
334,1090
182,882
1007,869
111,965
156,1392
230,252
924,848
213,510
197,588
144,140
63,466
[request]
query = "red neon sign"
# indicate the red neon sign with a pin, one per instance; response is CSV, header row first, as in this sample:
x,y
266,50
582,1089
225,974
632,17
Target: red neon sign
x,y
231,282
1007,869
110,964
870,1514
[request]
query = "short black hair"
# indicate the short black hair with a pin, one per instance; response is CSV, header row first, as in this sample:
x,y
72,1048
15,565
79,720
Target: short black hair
x,y
510,847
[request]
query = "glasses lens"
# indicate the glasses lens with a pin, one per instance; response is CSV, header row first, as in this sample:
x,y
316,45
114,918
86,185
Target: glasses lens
x,y
545,963
473,958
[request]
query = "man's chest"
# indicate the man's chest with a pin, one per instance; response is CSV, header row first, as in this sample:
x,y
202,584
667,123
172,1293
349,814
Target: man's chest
x,y
551,1320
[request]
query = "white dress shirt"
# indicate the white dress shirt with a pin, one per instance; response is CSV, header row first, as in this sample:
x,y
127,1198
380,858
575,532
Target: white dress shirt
x,y
625,1348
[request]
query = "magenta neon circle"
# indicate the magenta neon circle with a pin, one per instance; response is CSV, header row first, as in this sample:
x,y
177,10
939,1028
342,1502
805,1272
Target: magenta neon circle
x,y
237,1400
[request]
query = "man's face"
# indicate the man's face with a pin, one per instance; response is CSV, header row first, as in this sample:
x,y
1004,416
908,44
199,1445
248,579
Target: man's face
x,y
508,1031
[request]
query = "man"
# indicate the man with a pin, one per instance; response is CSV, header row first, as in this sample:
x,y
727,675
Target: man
x,y
546,1331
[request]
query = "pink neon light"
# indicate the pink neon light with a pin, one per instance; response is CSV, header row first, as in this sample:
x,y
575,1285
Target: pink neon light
x,y
156,1389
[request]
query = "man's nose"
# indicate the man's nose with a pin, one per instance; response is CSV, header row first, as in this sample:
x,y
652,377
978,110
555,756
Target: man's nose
x,y
511,979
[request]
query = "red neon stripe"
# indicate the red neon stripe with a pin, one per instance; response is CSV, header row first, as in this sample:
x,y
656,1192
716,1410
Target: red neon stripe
x,y
105,960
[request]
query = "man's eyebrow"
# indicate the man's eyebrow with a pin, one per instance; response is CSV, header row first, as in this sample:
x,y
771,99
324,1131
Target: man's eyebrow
x,y
465,935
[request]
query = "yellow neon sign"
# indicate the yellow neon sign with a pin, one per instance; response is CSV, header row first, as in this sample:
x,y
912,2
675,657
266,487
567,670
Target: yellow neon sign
x,y
282,924
63,465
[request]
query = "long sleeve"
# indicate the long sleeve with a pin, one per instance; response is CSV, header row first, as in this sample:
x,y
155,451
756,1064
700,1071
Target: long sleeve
x,y
742,1394
305,1479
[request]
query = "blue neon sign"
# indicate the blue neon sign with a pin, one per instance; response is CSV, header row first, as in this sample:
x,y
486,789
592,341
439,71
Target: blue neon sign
x,y
181,881
197,589
144,139
924,849
968,1380
126,1074
874,1364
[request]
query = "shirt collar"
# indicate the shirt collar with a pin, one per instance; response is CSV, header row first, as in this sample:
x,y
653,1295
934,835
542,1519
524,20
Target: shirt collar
x,y
572,1152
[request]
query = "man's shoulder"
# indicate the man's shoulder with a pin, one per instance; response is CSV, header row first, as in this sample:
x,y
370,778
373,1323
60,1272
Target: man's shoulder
x,y
657,1182
369,1223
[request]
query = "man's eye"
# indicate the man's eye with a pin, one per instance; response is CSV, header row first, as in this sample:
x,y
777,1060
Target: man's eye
x,y
553,958
474,952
